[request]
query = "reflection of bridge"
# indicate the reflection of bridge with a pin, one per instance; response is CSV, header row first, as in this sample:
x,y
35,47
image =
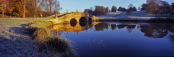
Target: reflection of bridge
x,y
73,27
73,17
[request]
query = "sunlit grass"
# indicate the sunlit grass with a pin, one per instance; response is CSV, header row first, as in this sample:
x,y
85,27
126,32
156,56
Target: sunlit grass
x,y
7,23
41,24
41,34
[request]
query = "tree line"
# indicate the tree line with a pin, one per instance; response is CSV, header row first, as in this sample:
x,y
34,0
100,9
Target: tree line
x,y
100,10
151,6
29,8
158,7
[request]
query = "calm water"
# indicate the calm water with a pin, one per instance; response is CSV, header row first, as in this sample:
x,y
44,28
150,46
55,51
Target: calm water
x,y
120,39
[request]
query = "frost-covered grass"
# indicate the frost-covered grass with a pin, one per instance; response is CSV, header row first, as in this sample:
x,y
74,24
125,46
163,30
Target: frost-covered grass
x,y
7,25
143,15
14,42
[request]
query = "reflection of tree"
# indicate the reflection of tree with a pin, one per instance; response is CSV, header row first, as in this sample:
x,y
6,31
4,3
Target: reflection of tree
x,y
121,26
101,26
130,28
113,26
159,30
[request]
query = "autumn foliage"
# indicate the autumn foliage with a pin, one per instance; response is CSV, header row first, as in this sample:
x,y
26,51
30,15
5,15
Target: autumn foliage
x,y
29,8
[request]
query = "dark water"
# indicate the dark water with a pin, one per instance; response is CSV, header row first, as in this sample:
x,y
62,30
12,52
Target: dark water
x,y
120,39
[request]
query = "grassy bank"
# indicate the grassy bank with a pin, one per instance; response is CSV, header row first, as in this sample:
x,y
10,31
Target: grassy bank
x,y
15,40
7,23
49,43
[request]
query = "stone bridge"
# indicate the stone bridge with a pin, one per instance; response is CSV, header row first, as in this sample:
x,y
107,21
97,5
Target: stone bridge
x,y
73,17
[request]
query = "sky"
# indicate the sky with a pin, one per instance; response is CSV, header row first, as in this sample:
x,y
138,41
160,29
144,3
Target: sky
x,y
80,5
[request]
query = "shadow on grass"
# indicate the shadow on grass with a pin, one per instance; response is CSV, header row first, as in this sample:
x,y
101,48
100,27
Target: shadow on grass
x,y
46,42
51,43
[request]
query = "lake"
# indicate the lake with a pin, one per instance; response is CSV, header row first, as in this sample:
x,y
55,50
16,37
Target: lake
x,y
108,39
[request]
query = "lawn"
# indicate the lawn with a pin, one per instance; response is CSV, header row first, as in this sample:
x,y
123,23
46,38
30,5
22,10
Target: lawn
x,y
7,23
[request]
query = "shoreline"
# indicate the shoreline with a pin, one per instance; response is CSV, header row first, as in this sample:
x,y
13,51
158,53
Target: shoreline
x,y
155,19
15,41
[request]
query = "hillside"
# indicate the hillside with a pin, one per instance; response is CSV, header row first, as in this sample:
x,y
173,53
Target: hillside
x,y
132,15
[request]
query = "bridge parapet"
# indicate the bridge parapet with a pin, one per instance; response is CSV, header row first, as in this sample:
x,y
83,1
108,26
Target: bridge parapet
x,y
75,17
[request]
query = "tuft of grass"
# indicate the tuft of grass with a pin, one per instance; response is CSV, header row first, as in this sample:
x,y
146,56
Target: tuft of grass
x,y
41,34
58,44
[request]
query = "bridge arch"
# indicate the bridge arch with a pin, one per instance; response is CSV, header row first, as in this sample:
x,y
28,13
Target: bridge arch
x,y
73,22
83,19
83,24
90,20
78,16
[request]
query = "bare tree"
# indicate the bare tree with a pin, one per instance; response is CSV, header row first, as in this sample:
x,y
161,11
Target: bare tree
x,y
172,8
24,7
130,6
114,9
51,5
164,7
144,7
153,6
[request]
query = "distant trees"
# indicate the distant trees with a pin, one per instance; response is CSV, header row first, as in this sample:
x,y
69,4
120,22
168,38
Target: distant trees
x,y
134,9
99,10
153,6
164,7
172,8
122,9
158,7
114,9
131,8
107,9
50,5
29,8
89,11
144,7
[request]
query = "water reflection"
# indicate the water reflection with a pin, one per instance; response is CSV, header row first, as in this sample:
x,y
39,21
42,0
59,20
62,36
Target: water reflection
x,y
68,27
152,30
121,26
113,26
155,30
101,26
119,38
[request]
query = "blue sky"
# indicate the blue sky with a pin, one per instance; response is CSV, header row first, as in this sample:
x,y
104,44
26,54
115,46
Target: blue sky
x,y
80,5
